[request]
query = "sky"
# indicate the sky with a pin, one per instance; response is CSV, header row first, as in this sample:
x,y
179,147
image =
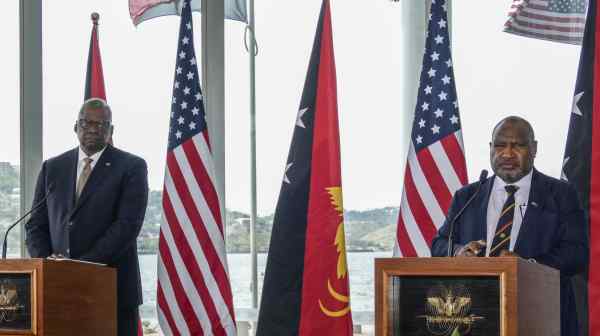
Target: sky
x,y
497,74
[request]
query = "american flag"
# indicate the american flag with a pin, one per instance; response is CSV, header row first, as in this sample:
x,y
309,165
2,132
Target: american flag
x,y
435,168
193,294
554,20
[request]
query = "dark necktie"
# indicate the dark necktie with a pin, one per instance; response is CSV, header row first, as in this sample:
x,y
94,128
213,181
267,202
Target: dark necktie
x,y
501,239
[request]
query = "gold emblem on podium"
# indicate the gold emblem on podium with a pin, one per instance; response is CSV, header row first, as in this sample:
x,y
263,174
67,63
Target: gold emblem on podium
x,y
449,311
9,302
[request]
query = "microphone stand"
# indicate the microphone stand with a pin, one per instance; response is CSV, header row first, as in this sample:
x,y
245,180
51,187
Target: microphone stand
x,y
33,208
482,178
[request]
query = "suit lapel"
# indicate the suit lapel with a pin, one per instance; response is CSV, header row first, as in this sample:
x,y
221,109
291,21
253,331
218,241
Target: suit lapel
x,y
534,209
99,173
483,207
72,173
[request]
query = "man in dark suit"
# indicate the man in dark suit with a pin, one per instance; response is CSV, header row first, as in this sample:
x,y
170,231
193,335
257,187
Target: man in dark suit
x,y
95,208
521,212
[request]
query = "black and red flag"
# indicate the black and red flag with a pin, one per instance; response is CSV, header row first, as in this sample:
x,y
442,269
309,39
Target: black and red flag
x,y
94,78
306,290
581,167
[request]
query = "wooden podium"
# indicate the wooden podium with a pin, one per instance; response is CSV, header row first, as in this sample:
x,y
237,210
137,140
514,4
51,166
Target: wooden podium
x,y
56,298
505,296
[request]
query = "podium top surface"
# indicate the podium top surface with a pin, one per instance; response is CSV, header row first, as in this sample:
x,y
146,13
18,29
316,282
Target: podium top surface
x,y
454,265
43,263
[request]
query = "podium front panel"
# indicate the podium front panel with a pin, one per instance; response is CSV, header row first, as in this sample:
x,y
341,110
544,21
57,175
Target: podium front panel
x,y
443,305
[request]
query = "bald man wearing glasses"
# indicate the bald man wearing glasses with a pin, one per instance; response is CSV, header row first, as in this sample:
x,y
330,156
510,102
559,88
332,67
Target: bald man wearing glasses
x,y
97,196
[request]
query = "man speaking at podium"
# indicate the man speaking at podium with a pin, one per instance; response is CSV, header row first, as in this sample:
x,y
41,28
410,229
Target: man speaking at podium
x,y
520,212
95,206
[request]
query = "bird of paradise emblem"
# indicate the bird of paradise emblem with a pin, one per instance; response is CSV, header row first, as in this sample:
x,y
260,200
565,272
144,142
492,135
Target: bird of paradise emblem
x,y
335,194
9,305
448,311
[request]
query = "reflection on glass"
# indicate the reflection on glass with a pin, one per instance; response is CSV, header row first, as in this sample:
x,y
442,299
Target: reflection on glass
x,y
9,127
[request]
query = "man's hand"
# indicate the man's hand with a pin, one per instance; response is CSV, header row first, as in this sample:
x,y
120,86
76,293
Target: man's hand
x,y
507,253
471,249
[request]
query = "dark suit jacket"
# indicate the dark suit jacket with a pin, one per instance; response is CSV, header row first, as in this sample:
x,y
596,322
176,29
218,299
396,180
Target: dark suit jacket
x,y
105,222
553,232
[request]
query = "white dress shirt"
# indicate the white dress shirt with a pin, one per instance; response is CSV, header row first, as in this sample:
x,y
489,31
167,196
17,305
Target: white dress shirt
x,y
496,203
81,163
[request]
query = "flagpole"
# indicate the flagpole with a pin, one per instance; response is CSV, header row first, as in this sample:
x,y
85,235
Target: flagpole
x,y
253,215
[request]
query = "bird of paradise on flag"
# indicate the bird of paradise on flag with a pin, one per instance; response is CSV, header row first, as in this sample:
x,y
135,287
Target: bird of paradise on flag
x,y
306,290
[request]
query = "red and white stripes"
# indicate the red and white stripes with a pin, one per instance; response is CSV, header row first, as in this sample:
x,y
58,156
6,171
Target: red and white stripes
x,y
432,176
194,294
535,18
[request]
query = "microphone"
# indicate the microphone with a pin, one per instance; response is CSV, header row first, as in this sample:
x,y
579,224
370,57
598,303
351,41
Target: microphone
x,y
33,208
482,177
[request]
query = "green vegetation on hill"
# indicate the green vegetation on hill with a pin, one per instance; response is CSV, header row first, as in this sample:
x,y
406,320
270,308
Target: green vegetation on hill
x,y
369,230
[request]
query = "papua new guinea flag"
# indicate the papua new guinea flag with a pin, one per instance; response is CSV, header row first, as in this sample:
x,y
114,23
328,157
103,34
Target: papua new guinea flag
x,y
306,289
94,78
581,167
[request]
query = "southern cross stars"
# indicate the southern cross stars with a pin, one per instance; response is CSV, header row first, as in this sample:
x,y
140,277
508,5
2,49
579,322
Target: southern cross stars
x,y
285,177
575,109
299,121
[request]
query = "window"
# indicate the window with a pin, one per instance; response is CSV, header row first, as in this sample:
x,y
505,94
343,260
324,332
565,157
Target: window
x,y
138,65
9,128
500,74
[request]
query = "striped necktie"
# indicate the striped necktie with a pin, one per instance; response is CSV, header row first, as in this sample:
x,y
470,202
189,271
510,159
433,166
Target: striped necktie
x,y
85,174
501,239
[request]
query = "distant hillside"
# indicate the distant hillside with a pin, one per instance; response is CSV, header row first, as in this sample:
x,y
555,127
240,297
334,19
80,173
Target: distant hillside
x,y
369,230
358,226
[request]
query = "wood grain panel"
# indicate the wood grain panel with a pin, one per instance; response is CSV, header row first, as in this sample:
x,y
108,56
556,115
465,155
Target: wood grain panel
x,y
524,288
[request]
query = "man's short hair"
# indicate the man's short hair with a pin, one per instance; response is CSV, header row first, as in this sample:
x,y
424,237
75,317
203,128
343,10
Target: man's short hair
x,y
516,120
96,104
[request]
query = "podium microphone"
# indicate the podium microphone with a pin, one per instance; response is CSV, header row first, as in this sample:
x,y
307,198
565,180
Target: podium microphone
x,y
482,177
33,208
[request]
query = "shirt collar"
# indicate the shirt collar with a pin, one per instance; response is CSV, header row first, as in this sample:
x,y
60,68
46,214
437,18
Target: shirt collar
x,y
94,157
523,183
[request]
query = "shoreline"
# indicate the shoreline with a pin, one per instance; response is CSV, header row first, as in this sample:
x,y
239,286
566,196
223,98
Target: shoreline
x,y
265,252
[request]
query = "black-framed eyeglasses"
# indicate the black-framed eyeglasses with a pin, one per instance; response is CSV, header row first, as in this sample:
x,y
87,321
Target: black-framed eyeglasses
x,y
87,124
